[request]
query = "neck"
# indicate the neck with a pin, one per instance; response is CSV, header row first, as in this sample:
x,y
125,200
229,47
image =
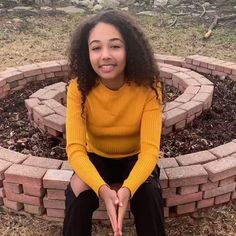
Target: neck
x,y
113,84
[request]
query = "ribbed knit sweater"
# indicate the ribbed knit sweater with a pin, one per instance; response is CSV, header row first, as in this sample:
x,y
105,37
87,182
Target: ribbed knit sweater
x,y
118,124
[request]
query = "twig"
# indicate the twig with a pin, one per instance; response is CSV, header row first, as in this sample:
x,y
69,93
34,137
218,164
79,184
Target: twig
x,y
174,22
213,25
173,13
202,6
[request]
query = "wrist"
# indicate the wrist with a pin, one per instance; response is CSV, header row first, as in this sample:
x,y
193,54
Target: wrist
x,y
102,189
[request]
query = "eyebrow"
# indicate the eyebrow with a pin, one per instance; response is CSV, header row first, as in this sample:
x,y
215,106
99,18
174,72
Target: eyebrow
x,y
111,40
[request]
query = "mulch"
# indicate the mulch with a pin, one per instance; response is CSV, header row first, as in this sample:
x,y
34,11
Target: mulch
x,y
213,128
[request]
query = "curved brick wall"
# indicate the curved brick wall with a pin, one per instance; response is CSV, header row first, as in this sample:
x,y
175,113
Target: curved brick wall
x,y
189,182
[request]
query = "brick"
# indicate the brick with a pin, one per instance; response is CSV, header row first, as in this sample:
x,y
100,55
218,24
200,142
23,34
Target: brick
x,y
2,193
206,98
25,174
219,191
55,213
185,97
167,163
54,194
48,67
167,130
37,210
195,158
209,185
202,80
222,198
192,107
205,203
206,89
38,93
52,132
23,198
11,156
171,105
163,179
43,110
166,72
31,103
101,215
221,169
12,187
180,125
30,70
226,181
60,110
1,201
233,196
186,208
174,116
224,150
50,94
182,199
56,122
57,179
49,75
3,81
186,175
51,103
54,204
4,165
47,163
37,191
188,189
192,89
13,76
166,212
168,192
17,206
64,64
66,166
40,77
204,70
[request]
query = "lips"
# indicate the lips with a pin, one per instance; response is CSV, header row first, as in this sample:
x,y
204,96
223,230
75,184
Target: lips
x,y
107,68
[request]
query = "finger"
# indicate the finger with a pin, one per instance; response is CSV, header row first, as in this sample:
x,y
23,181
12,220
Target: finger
x,y
111,210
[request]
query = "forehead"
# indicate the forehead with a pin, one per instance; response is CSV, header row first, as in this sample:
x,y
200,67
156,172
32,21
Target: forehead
x,y
103,31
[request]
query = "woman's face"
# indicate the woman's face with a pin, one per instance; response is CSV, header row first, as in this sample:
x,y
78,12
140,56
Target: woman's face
x,y
107,54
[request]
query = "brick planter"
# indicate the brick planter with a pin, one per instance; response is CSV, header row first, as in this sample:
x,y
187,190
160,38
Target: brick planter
x,y
189,182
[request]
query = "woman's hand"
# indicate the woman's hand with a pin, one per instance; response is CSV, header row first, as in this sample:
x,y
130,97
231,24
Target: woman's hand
x,y
123,196
111,201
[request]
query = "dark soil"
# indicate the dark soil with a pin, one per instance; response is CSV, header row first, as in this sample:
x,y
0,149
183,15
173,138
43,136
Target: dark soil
x,y
213,128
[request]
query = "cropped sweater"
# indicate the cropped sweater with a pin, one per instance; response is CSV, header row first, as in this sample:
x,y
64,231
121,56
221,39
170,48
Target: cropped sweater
x,y
117,124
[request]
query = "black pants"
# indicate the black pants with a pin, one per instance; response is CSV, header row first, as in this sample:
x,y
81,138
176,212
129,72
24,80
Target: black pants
x,y
146,204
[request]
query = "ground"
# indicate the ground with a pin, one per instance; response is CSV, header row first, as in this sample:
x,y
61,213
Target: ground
x,y
35,37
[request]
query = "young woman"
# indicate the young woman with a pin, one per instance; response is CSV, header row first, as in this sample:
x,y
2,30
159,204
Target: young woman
x,y
113,126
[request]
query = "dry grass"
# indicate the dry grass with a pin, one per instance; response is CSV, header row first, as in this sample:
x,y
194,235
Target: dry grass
x,y
43,38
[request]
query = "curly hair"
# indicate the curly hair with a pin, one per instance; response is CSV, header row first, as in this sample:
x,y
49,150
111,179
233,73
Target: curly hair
x,y
140,68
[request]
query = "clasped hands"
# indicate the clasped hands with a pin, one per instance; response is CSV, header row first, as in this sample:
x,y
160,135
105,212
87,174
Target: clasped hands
x,y
116,203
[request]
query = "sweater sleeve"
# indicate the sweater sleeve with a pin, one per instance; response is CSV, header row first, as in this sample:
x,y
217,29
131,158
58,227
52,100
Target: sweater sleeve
x,y
150,134
76,141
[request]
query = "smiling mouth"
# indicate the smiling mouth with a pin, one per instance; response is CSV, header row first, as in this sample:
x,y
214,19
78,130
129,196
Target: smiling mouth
x,y
107,68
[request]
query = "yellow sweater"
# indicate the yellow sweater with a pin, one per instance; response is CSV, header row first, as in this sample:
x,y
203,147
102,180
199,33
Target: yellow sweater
x,y
118,124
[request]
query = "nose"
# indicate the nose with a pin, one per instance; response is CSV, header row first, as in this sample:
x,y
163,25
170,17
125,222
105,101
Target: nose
x,y
105,53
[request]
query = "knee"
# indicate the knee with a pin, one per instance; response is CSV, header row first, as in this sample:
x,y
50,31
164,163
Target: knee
x,y
78,186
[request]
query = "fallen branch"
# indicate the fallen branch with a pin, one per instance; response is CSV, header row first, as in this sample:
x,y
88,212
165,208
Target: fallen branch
x,y
215,22
202,6
174,22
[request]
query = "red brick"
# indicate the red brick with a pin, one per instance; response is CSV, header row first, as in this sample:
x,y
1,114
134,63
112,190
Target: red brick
x,y
49,75
192,89
206,89
206,98
224,150
57,179
12,187
219,191
226,181
48,67
186,208
17,206
13,76
51,103
188,189
3,82
100,215
38,93
54,194
174,116
56,122
219,73
180,125
25,174
221,169
192,107
168,192
60,110
200,78
23,198
195,158
37,210
222,198
166,212
66,166
1,201
185,97
166,72
11,156
30,70
171,105
186,175
31,103
2,193
64,64
50,94
37,191
167,163
40,77
233,196
55,213
205,203
182,199
47,163
209,185
43,110
4,165
204,70
163,179
54,204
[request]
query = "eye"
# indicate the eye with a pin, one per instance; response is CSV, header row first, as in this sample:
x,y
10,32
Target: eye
x,y
95,48
115,46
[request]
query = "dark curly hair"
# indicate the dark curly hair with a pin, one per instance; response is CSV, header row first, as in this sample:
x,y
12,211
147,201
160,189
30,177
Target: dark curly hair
x,y
140,68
